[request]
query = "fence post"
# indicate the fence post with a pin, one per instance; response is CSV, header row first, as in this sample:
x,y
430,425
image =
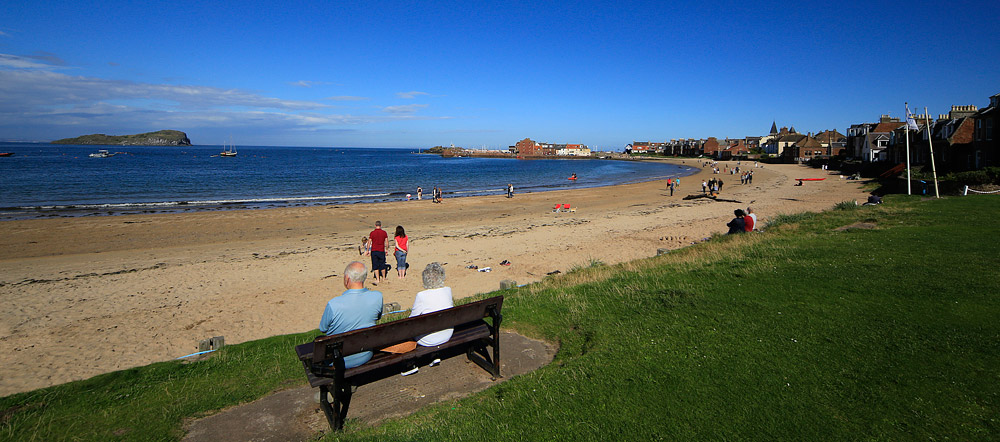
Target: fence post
x,y
966,191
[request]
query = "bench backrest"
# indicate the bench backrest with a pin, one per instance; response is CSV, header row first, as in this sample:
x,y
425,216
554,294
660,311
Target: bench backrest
x,y
390,333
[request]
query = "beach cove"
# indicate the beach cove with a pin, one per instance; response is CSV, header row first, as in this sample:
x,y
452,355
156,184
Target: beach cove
x,y
81,294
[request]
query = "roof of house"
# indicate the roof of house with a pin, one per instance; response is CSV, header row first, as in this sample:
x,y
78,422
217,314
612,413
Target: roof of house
x,y
887,127
809,143
791,138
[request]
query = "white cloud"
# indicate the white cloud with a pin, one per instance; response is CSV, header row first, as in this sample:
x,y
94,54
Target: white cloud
x,y
18,62
307,83
403,109
347,98
48,57
410,95
39,88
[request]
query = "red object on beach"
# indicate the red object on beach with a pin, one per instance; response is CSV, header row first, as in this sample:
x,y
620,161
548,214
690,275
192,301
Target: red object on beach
x,y
800,180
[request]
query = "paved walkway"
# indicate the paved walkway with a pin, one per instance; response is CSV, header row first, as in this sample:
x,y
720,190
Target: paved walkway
x,y
293,415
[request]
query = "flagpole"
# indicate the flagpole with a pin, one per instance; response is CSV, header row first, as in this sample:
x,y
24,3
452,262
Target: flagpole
x,y
907,133
930,142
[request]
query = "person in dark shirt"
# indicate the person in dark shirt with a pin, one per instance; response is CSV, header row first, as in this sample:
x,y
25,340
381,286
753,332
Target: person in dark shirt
x,y
379,239
737,225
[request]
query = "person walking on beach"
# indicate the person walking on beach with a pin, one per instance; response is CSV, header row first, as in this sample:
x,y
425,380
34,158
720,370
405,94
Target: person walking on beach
x,y
704,186
379,240
402,247
355,308
420,193
510,190
672,185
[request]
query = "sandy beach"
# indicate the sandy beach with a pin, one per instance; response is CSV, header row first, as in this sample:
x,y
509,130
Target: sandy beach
x,y
80,296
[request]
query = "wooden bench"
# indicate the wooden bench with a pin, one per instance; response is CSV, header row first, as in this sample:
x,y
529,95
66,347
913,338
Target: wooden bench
x,y
323,358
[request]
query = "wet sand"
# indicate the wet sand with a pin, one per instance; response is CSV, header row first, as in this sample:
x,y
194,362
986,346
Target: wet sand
x,y
80,295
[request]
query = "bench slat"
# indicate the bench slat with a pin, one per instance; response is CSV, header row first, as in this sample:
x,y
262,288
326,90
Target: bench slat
x,y
382,359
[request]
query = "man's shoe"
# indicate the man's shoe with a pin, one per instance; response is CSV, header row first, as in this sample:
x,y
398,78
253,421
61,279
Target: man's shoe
x,y
410,371
435,362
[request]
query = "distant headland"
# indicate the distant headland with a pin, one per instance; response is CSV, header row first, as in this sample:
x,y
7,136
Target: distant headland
x,y
158,138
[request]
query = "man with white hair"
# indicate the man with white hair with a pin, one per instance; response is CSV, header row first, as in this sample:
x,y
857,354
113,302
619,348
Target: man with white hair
x,y
356,308
751,225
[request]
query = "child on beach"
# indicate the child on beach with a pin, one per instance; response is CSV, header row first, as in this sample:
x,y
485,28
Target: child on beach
x,y
365,249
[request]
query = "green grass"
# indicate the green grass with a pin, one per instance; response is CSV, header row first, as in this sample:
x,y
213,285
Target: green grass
x,y
800,333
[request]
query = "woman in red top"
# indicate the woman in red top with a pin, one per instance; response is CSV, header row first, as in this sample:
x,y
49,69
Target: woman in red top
x,y
402,247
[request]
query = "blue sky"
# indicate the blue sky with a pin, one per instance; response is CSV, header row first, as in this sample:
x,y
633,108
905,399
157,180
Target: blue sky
x,y
419,74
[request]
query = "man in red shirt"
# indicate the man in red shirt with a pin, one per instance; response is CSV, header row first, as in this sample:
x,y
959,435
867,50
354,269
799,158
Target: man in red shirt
x,y
379,242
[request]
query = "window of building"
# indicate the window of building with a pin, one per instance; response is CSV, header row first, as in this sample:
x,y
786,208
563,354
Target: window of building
x,y
989,130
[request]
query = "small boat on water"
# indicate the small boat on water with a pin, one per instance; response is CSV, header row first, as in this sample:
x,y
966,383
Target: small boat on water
x,y
6,154
103,153
228,151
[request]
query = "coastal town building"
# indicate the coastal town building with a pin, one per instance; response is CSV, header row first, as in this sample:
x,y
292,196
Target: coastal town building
x,y
833,140
573,150
876,140
804,149
711,147
530,148
952,136
986,148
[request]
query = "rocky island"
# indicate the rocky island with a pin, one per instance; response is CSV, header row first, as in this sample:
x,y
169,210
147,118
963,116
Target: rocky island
x,y
158,138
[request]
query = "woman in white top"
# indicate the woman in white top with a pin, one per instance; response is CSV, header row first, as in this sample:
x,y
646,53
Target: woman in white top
x,y
435,297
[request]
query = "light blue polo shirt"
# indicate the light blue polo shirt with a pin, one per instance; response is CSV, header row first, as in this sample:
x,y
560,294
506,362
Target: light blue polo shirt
x,y
353,309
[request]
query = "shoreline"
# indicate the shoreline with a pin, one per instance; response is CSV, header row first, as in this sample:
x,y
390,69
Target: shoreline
x,y
77,291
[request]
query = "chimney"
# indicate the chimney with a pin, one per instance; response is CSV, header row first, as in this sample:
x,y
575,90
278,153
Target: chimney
x,y
962,111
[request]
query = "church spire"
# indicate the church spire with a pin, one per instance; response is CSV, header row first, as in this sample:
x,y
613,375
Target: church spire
x,y
774,128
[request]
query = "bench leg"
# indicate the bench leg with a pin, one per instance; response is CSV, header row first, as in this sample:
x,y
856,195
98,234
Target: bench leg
x,y
337,411
479,355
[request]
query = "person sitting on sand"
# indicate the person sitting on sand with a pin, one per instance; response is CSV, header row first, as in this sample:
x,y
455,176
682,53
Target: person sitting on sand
x,y
356,308
434,297
737,225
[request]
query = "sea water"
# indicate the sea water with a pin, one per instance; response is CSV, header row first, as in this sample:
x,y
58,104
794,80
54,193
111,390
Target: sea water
x,y
43,180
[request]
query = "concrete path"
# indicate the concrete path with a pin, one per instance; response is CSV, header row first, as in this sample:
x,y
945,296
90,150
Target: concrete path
x,y
294,415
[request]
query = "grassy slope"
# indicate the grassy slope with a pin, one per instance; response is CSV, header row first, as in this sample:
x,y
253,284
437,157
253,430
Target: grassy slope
x,y
800,333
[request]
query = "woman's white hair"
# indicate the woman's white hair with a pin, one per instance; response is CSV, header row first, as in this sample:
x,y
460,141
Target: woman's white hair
x,y
433,276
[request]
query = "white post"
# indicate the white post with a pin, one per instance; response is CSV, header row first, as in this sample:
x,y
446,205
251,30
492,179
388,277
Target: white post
x,y
907,134
930,142
966,191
